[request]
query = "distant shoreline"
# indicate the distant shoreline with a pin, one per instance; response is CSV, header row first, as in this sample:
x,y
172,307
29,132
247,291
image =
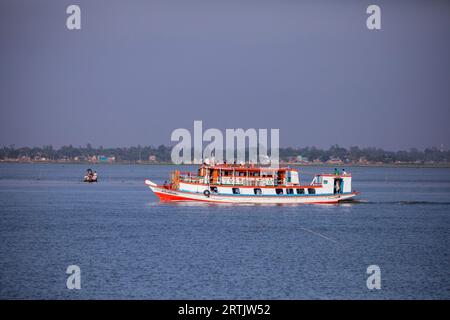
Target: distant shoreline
x,y
307,156
327,165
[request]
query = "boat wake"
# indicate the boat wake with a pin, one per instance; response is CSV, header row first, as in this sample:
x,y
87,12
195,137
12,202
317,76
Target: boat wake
x,y
400,202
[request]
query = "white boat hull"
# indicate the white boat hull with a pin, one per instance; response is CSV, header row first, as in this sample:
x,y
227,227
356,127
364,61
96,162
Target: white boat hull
x,y
165,194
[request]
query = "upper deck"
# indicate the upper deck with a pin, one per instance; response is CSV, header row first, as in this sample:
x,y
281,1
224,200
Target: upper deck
x,y
245,175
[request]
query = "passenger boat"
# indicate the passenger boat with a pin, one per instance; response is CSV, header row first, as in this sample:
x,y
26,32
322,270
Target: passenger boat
x,y
250,184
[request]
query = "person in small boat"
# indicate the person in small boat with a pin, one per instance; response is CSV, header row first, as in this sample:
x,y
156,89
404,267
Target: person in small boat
x,y
344,172
91,176
86,176
336,172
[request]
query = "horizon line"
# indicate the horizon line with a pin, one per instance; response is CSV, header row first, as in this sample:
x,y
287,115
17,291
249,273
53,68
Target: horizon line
x,y
89,145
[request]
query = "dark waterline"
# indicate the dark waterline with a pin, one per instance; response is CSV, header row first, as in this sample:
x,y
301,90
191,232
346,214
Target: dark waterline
x,y
128,245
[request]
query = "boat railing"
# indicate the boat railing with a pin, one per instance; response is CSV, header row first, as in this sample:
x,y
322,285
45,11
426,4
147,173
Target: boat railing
x,y
191,179
238,181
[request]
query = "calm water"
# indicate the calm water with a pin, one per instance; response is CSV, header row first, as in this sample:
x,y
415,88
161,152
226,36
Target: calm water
x,y
130,246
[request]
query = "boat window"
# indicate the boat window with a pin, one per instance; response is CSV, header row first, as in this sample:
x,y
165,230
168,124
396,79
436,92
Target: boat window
x,y
290,191
213,189
311,191
236,191
257,191
301,191
279,191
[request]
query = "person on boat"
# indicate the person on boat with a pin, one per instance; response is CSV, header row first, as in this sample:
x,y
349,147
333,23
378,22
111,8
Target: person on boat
x,y
336,172
337,187
344,172
91,176
87,176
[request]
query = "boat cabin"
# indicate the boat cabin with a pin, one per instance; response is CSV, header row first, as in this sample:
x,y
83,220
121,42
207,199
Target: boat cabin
x,y
247,175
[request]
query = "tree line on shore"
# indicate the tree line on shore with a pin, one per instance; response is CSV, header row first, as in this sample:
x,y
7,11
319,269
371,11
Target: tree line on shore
x,y
163,154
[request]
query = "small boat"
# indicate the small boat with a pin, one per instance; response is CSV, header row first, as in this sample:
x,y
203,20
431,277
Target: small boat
x,y
91,176
255,185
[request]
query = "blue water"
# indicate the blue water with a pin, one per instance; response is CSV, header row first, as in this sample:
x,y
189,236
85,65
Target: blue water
x,y
128,245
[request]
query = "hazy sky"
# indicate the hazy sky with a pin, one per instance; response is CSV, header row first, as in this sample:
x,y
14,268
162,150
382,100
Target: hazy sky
x,y
137,70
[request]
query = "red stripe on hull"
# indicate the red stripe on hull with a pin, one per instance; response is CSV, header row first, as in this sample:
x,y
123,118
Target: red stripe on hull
x,y
170,197
164,197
